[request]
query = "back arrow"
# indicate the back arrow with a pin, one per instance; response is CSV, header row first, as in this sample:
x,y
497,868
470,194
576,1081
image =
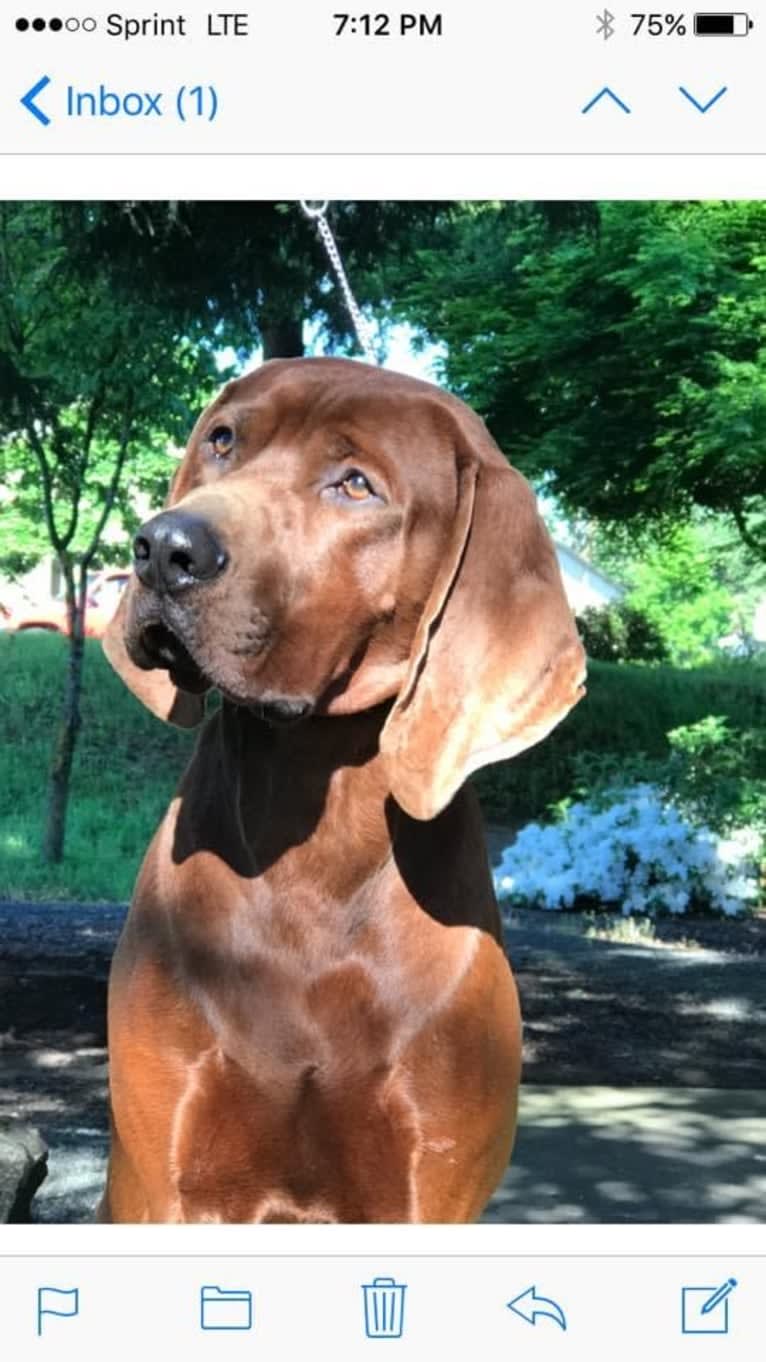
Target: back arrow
x,y
28,100
530,1306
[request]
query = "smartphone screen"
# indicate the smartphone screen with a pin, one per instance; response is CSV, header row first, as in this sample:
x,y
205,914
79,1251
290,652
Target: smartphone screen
x,y
383,676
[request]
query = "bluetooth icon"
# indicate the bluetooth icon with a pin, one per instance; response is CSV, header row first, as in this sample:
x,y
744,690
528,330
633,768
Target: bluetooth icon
x,y
605,25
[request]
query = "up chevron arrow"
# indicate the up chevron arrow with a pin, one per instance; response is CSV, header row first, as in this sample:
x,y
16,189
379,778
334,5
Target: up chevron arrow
x,y
703,108
28,100
611,95
532,1307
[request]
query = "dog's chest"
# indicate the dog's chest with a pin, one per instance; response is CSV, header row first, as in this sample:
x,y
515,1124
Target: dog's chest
x,y
291,979
300,1093
304,1087
255,1145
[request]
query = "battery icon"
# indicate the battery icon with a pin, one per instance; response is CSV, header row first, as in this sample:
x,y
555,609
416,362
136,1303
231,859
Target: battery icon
x,y
722,25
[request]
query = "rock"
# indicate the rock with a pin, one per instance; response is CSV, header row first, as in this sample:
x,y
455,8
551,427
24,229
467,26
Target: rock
x,y
23,1166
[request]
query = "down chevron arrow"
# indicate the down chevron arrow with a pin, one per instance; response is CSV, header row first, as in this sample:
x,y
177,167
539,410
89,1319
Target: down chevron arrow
x,y
703,108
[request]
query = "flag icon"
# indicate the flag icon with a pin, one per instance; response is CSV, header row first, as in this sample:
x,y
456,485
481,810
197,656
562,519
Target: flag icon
x,y
52,1301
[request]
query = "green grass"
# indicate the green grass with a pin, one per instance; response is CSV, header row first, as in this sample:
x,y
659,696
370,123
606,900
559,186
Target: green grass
x,y
126,766
127,763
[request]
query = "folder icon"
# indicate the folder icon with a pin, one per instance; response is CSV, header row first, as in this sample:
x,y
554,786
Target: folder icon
x,y
220,1309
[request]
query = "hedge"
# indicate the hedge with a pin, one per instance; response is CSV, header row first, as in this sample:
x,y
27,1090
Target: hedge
x,y
627,709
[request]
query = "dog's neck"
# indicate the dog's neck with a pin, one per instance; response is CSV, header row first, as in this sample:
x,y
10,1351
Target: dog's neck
x,y
310,806
318,777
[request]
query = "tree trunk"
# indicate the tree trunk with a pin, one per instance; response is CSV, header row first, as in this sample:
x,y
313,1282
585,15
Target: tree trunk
x,y
282,339
69,727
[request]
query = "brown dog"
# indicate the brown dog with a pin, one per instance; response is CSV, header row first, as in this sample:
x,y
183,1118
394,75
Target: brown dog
x,y
311,1017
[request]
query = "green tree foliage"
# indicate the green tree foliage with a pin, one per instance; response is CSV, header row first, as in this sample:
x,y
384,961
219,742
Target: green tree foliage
x,y
620,633
92,389
695,584
253,272
92,392
675,585
620,362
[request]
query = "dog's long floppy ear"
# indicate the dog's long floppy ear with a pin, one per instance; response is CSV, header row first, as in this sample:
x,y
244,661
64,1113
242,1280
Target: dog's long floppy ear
x,y
153,688
496,661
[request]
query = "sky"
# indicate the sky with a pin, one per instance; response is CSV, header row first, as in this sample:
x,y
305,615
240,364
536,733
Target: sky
x,y
402,357
400,354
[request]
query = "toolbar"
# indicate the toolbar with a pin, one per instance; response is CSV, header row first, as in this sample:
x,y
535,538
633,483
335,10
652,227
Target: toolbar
x,y
506,1306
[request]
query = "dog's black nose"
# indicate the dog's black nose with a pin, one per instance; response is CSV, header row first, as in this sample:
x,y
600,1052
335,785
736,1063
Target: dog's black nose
x,y
176,551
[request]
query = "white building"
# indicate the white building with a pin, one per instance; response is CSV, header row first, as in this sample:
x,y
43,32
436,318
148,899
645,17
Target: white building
x,y
585,584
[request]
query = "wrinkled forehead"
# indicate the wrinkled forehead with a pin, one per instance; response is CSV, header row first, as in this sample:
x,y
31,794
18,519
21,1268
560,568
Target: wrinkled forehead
x,y
316,392
313,405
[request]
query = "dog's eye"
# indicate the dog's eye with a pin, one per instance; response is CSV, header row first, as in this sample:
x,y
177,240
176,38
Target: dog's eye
x,y
356,487
221,441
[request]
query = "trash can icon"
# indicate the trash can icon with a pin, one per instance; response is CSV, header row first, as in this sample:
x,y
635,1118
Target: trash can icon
x,y
384,1308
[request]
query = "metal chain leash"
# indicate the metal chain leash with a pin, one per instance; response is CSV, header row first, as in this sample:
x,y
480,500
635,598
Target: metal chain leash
x,y
316,213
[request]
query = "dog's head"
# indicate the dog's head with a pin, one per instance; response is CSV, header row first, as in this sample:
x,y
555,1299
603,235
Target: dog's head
x,y
337,536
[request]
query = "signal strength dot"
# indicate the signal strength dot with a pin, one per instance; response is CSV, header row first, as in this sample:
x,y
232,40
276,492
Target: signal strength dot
x,y
39,25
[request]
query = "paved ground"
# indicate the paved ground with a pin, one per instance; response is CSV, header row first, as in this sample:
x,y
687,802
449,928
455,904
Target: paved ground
x,y
605,1012
616,1155
644,1095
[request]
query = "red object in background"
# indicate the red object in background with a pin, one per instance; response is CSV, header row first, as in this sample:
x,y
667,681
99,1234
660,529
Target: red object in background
x,y
103,595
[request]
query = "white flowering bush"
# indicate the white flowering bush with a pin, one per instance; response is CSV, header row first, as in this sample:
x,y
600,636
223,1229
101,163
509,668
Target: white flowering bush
x,y
636,854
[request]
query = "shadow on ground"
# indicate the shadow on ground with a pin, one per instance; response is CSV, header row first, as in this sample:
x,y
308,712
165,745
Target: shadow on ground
x,y
606,1155
603,1012
62,1090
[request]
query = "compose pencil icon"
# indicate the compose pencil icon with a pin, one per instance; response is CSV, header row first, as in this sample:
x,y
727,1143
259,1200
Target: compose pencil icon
x,y
705,1309
719,1295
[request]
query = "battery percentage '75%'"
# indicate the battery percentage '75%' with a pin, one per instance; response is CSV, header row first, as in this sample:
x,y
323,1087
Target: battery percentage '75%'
x,y
389,25
659,25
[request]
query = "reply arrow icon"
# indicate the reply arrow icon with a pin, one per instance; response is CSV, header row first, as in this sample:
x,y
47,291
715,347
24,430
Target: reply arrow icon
x,y
531,1307
28,100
